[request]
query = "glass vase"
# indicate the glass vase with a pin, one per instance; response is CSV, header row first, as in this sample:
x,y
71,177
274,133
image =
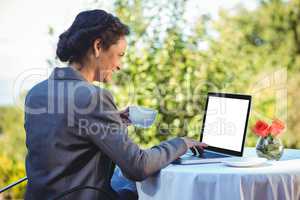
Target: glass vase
x,y
269,147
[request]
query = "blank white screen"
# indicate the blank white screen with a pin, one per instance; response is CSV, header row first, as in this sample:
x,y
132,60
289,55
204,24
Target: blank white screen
x,y
225,122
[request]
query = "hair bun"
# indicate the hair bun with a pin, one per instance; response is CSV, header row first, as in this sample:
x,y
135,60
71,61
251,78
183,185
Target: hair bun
x,y
63,50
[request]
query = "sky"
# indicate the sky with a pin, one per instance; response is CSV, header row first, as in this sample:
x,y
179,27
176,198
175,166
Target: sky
x,y
25,44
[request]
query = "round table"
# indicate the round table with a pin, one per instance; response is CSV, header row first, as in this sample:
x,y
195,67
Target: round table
x,y
275,180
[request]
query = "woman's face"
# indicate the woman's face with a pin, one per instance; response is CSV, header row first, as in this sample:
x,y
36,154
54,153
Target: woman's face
x,y
108,61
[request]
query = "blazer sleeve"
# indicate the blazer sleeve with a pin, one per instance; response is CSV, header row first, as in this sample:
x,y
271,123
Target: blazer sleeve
x,y
105,129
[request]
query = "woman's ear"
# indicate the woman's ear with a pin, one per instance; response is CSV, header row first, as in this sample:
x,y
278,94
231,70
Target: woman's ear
x,y
97,47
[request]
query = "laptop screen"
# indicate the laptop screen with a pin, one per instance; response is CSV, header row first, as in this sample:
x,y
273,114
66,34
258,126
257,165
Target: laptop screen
x,y
225,121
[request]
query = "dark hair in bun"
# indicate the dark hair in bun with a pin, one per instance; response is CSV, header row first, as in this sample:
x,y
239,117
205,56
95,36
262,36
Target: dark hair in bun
x,y
88,26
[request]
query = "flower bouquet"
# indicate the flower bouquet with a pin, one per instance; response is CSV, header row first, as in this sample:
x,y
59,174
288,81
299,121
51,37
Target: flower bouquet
x,y
269,145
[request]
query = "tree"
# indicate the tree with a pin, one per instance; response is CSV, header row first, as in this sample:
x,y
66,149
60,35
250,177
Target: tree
x,y
168,71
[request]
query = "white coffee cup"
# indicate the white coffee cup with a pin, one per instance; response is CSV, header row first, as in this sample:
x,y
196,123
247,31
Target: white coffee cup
x,y
141,116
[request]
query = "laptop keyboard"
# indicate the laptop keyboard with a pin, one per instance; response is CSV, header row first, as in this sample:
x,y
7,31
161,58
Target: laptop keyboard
x,y
207,154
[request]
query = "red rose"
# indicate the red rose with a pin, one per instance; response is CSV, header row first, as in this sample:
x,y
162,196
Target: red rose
x,y
276,127
261,128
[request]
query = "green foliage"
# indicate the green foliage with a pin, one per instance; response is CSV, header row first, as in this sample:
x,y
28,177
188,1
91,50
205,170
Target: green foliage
x,y
12,154
254,52
167,68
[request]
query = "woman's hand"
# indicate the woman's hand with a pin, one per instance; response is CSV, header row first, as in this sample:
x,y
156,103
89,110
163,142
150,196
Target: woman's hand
x,y
124,114
194,145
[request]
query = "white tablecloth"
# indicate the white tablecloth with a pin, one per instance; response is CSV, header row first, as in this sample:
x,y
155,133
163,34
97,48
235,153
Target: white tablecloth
x,y
276,180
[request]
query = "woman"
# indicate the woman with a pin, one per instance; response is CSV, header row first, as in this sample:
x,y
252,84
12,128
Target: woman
x,y
74,132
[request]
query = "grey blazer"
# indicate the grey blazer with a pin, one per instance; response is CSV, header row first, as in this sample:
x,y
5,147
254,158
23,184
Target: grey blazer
x,y
73,135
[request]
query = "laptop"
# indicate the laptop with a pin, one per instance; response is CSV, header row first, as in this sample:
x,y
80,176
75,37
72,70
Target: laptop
x,y
224,129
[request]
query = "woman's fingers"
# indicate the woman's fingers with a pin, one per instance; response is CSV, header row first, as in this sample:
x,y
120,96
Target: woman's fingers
x,y
199,148
202,145
193,150
193,143
124,114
